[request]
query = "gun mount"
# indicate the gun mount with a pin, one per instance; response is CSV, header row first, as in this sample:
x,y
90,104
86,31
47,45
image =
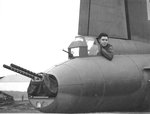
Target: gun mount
x,y
42,84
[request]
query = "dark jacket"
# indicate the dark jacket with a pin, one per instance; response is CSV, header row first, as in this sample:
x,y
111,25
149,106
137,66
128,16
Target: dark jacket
x,y
106,51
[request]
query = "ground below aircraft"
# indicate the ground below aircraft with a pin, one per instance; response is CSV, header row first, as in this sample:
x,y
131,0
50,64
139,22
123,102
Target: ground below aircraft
x,y
5,99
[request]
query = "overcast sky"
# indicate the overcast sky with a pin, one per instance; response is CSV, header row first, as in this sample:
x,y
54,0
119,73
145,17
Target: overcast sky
x,y
34,32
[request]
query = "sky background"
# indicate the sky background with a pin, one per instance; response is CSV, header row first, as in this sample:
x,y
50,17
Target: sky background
x,y
34,32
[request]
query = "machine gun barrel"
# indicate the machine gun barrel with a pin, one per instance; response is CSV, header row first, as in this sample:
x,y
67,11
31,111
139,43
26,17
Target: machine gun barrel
x,y
25,70
70,54
18,71
21,72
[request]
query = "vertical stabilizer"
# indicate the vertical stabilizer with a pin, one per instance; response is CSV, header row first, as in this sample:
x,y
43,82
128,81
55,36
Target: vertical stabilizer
x,y
123,19
139,19
103,16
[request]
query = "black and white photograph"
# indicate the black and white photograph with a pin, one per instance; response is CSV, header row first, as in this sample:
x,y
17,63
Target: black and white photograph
x,y
75,56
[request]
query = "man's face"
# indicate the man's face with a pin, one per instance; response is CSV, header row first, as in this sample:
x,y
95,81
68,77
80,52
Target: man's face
x,y
103,41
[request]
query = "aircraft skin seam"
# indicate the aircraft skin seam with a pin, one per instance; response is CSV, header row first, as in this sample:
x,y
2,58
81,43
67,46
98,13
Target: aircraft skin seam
x,y
81,93
101,101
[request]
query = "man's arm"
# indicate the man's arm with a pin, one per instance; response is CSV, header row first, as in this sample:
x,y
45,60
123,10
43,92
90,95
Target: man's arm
x,y
108,53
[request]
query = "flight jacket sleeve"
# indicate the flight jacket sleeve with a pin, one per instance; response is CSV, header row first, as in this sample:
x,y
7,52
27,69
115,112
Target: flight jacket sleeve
x,y
108,52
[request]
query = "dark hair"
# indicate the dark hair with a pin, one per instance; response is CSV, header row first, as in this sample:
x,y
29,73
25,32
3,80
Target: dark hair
x,y
100,35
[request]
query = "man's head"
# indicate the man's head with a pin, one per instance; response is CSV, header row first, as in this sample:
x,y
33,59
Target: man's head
x,y
103,39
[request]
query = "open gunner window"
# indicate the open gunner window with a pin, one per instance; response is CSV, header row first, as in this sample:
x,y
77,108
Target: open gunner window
x,y
81,47
78,48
